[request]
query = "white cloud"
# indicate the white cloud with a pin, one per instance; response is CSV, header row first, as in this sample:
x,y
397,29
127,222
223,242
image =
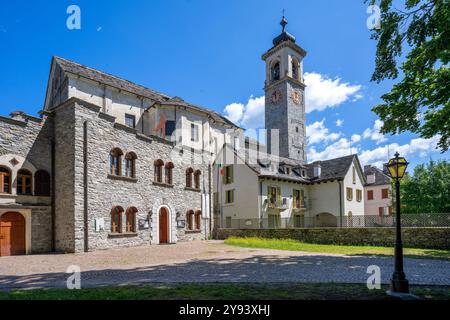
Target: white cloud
x,y
317,132
420,146
323,92
343,147
340,148
250,116
234,112
374,133
356,138
339,122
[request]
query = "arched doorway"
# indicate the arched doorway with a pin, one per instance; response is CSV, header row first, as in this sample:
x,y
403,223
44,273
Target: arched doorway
x,y
163,226
12,234
325,220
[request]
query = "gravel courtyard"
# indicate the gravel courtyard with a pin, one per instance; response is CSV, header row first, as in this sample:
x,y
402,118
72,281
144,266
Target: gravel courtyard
x,y
210,261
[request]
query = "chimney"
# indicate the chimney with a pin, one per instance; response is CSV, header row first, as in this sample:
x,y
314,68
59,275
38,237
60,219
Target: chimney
x,y
18,115
317,170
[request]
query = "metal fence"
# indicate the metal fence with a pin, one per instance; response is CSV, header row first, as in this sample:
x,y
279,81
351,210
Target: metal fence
x,y
275,222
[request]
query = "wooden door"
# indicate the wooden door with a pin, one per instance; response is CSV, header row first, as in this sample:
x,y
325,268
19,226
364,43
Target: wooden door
x,y
163,226
12,234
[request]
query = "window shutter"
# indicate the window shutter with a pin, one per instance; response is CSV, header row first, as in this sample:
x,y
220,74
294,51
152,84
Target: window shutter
x,y
380,211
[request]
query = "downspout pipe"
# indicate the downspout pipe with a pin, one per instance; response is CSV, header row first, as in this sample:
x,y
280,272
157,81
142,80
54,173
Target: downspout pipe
x,y
85,186
53,201
340,203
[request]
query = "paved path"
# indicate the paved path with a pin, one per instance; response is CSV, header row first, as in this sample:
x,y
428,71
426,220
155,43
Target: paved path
x,y
210,261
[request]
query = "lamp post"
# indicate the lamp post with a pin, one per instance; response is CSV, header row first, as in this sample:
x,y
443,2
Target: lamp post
x,y
399,285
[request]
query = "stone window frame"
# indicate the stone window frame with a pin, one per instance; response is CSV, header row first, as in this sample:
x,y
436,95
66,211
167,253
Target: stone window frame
x,y
190,220
198,220
24,182
4,174
168,176
275,77
130,164
197,175
115,162
130,222
295,65
116,220
158,175
189,173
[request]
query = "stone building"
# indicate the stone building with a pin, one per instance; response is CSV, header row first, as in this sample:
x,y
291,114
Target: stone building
x,y
108,164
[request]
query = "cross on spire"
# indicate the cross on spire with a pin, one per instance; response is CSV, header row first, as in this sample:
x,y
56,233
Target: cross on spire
x,y
284,22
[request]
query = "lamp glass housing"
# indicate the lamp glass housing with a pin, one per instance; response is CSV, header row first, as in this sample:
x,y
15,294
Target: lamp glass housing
x,y
397,167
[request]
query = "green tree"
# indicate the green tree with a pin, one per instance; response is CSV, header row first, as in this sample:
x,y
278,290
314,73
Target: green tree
x,y
427,190
415,40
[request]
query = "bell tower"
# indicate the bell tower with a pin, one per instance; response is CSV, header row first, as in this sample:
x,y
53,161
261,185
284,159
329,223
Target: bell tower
x,y
285,97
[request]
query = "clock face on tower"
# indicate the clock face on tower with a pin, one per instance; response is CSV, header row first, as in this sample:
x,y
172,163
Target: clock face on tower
x,y
297,97
276,97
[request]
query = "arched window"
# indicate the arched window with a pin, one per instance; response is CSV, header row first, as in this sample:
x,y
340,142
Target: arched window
x,y
130,165
159,164
169,173
116,219
189,173
131,219
198,220
197,175
295,69
24,182
42,184
190,220
115,161
5,180
275,71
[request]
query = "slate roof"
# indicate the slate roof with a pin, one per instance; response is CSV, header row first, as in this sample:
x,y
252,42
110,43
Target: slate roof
x,y
380,177
334,169
125,85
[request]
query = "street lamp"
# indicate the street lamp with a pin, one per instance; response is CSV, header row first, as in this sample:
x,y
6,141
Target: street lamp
x,y
397,168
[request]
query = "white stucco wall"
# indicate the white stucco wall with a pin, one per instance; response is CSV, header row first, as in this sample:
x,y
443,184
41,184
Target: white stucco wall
x,y
356,208
324,198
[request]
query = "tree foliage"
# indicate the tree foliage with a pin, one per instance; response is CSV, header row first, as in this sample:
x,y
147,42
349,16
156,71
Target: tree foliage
x,y
414,44
427,190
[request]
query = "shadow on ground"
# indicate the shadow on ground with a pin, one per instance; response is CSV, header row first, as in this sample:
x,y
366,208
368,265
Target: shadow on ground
x,y
258,269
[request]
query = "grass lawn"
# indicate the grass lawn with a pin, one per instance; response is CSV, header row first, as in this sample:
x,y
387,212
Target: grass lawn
x,y
293,245
222,291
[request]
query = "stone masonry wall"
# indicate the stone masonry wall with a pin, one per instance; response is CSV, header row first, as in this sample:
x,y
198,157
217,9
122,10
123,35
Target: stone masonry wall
x,y
426,238
41,233
29,138
64,176
106,192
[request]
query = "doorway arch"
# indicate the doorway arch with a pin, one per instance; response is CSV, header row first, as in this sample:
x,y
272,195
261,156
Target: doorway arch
x,y
12,234
164,225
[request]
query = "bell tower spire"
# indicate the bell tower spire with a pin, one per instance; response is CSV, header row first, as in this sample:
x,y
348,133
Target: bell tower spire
x,y
285,91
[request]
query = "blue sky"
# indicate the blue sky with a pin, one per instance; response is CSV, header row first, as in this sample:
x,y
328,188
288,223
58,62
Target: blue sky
x,y
209,53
